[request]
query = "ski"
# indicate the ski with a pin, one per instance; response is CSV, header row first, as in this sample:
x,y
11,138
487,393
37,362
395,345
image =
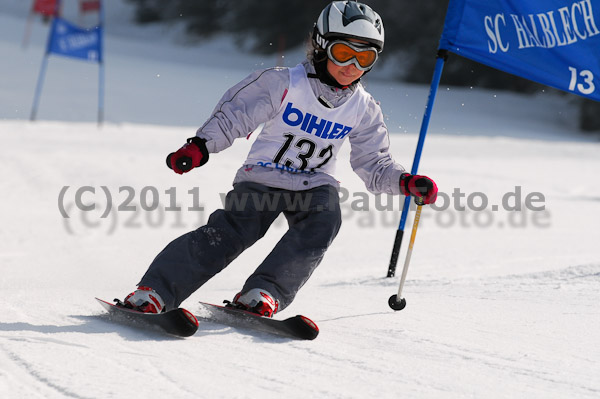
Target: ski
x,y
178,322
297,327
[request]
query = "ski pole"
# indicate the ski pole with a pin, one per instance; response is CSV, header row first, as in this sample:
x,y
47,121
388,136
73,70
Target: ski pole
x,y
396,301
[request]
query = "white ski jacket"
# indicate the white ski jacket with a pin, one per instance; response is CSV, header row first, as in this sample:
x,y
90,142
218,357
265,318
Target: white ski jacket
x,y
262,97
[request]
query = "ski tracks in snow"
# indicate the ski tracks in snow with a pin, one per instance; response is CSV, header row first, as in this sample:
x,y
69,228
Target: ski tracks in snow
x,y
527,334
24,379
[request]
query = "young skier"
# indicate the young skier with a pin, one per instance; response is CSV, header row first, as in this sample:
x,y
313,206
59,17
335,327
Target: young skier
x,y
308,111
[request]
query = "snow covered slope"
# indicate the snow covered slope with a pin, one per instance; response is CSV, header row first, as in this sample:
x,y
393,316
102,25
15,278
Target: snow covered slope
x,y
501,303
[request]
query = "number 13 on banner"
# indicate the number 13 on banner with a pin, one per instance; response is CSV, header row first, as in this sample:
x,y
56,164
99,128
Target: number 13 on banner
x,y
587,87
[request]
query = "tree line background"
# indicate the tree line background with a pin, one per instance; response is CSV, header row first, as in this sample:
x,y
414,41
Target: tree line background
x,y
412,32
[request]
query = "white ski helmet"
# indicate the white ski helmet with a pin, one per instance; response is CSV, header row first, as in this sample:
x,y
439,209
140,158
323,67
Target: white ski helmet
x,y
348,19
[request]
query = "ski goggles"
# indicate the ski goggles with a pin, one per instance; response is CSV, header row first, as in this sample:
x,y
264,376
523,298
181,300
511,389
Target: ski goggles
x,y
344,53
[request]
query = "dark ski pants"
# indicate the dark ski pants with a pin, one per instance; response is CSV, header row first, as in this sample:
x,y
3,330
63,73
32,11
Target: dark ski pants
x,y
314,219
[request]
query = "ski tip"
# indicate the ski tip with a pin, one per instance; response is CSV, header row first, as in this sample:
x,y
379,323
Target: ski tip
x,y
309,329
190,317
106,305
309,323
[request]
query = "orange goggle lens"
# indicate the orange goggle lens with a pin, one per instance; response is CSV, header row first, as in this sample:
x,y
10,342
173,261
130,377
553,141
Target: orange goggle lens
x,y
342,53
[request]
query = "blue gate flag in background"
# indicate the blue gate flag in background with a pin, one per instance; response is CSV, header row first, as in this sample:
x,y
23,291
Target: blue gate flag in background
x,y
553,42
69,40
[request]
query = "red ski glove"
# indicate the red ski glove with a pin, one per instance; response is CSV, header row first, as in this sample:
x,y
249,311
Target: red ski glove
x,y
419,186
192,155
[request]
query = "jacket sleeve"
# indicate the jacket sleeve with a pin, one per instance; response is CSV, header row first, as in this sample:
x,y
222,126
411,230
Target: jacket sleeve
x,y
369,154
253,101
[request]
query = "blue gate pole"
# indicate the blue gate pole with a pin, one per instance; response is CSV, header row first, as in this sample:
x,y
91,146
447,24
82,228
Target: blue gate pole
x,y
101,67
38,89
101,94
40,82
442,56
